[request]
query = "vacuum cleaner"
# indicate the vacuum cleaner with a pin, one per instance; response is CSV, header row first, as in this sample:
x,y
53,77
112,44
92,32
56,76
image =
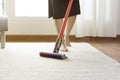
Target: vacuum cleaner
x,y
55,53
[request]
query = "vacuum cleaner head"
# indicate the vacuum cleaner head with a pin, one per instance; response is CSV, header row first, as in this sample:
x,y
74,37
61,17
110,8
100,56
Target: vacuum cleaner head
x,y
53,55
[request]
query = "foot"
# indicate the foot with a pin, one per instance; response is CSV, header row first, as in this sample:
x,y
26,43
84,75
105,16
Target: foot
x,y
68,42
64,50
64,47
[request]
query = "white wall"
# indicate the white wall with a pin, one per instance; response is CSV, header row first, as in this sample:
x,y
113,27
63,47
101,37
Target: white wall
x,y
31,27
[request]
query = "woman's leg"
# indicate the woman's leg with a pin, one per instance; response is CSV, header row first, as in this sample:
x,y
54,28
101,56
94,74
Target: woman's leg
x,y
58,23
70,24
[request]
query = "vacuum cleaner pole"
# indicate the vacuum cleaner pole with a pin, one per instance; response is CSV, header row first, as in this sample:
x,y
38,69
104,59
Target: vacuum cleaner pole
x,y
59,39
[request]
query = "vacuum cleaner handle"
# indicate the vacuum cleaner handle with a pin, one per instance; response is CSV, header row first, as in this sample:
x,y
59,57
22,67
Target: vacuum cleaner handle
x,y
65,20
59,39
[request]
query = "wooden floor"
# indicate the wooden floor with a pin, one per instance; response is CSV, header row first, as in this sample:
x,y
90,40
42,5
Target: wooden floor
x,y
109,46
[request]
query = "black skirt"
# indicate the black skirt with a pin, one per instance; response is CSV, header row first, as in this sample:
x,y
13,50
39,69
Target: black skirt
x,y
57,8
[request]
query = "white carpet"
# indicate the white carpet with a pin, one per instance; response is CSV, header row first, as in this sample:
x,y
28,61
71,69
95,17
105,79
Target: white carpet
x,y
21,61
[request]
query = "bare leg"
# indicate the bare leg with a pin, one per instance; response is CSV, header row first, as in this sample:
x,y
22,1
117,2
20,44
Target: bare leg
x,y
70,24
58,23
